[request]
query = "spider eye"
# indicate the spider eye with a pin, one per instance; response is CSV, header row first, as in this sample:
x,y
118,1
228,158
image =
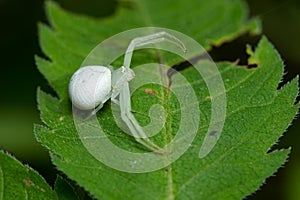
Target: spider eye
x,y
90,86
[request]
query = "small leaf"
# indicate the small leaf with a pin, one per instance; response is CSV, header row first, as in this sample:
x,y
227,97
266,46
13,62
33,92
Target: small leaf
x,y
21,182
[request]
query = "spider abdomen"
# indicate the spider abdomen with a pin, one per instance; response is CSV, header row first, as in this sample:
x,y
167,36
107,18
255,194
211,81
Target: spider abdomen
x,y
90,86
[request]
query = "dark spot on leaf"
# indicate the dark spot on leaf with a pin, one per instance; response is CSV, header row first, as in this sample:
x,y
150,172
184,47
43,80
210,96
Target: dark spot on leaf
x,y
212,133
28,182
151,91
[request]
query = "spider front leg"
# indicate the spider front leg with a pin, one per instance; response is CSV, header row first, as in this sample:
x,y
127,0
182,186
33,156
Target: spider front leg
x,y
151,39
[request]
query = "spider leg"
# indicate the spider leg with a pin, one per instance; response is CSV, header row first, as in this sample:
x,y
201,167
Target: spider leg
x,y
97,108
132,123
121,86
150,39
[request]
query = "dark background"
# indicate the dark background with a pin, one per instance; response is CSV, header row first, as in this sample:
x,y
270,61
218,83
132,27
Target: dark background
x,y
19,78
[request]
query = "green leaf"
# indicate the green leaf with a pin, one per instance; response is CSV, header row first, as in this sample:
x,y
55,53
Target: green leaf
x,y
21,182
257,113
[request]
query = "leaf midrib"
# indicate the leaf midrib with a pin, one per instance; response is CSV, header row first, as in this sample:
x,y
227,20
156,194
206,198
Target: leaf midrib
x,y
168,127
170,192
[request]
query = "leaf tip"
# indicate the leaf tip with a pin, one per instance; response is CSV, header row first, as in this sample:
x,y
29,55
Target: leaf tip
x,y
50,5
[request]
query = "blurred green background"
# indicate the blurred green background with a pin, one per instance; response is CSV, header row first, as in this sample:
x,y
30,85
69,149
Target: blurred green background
x,y
19,78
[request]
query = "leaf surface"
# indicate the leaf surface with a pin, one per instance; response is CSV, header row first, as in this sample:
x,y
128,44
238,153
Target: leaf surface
x,y
21,182
257,113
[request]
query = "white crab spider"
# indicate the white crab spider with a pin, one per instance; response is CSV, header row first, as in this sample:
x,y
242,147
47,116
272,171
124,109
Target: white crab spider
x,y
91,86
